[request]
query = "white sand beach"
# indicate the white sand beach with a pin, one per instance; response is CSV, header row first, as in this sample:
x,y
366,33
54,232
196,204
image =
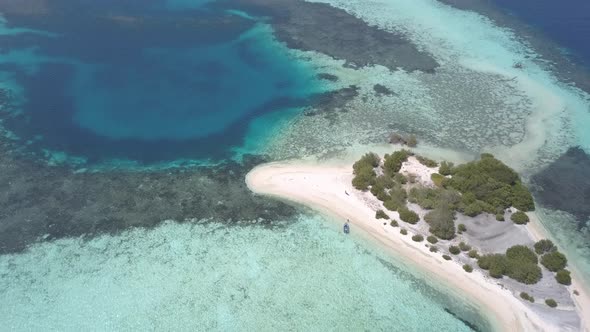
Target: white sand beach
x,y
328,189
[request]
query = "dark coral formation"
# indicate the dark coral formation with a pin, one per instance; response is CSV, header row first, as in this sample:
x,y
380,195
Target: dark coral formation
x,y
320,27
382,90
565,184
41,202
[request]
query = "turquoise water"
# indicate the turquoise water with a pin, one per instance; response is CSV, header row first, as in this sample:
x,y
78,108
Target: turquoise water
x,y
146,84
306,276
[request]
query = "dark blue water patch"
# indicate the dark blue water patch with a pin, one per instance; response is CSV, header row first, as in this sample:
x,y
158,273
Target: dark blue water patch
x,y
565,185
150,85
566,22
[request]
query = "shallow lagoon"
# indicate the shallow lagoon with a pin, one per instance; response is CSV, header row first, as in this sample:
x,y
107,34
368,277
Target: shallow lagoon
x,y
304,276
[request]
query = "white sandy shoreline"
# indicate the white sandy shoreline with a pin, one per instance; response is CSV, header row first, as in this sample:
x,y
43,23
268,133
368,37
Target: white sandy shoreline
x,y
323,189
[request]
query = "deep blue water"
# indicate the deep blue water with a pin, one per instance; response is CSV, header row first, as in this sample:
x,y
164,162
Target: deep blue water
x,y
144,81
565,22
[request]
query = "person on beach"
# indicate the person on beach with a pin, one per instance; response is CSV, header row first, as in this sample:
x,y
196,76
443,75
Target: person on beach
x,y
346,227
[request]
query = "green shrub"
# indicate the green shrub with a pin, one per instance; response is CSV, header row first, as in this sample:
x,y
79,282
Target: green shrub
x,y
551,303
473,209
378,191
393,162
433,249
446,257
384,181
473,253
522,254
500,217
468,268
517,264
403,231
432,239
454,250
369,159
380,214
408,215
526,273
442,222
544,246
445,168
363,178
496,272
527,297
461,228
392,205
400,178
427,162
554,261
418,238
522,198
519,218
488,261
437,179
364,172
464,246
563,277
394,223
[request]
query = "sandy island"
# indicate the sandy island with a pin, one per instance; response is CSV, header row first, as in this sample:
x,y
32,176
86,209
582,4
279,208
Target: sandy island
x,y
328,189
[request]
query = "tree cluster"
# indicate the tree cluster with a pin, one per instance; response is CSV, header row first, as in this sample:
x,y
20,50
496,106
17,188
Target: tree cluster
x,y
488,185
519,263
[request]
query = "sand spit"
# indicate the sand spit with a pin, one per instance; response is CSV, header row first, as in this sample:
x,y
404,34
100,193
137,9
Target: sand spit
x,y
328,189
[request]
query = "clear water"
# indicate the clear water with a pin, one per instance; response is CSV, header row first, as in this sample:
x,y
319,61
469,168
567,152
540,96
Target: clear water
x,y
147,83
568,22
305,277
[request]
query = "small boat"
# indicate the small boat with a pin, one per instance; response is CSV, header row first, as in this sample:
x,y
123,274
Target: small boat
x,y
346,228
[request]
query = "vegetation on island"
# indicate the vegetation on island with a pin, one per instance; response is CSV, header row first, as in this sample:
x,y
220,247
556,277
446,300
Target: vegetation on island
x,y
408,215
461,228
483,186
468,268
464,246
551,303
544,246
489,185
519,263
454,250
380,214
527,297
446,257
432,239
427,162
564,277
418,238
554,261
519,218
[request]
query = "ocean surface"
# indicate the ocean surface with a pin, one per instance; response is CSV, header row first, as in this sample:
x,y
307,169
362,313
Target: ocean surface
x,y
567,23
146,83
142,92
